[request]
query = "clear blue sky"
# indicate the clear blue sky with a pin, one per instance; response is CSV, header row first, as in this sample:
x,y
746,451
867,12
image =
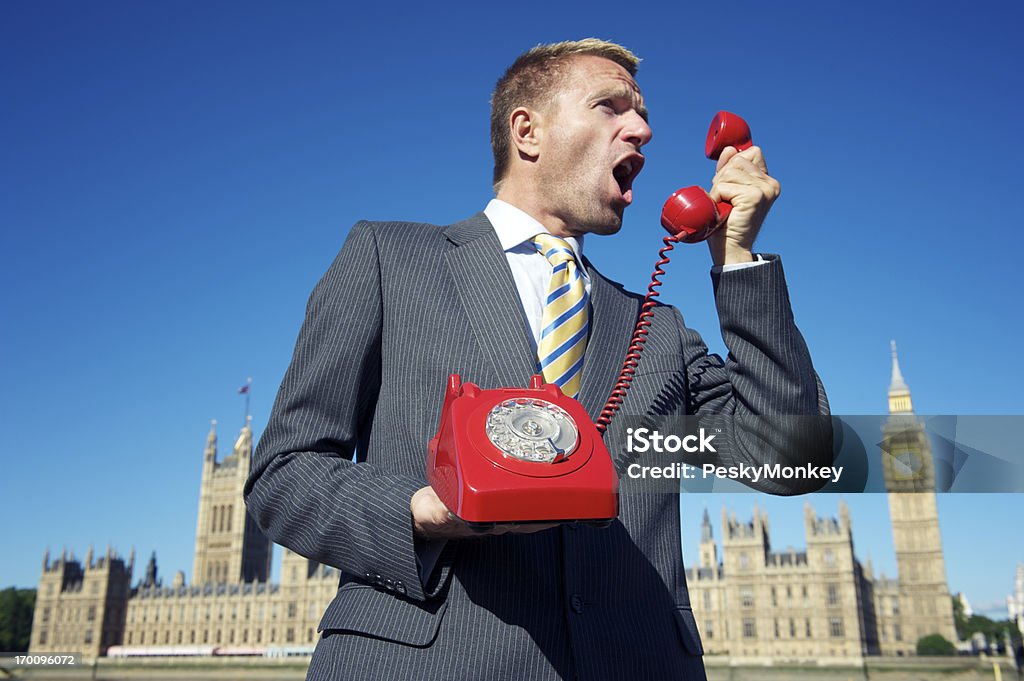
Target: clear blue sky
x,y
176,176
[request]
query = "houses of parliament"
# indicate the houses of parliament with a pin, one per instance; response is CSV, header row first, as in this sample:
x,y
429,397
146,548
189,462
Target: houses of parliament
x,y
749,601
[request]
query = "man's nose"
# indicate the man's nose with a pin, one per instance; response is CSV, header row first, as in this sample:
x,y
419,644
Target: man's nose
x,y
638,132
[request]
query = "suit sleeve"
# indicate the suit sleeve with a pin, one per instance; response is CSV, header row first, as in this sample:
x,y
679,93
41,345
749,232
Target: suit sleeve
x,y
766,389
308,488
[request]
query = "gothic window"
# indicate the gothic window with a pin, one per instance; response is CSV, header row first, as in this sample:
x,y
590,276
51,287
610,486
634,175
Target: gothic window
x,y
776,628
895,605
129,638
259,635
231,636
789,592
219,638
747,596
42,637
192,636
836,627
897,632
807,627
744,561
775,600
292,609
290,635
230,509
206,635
88,636
749,628
707,600
309,635
91,614
833,594
167,637
153,639
709,629
46,614
830,558
792,628
181,636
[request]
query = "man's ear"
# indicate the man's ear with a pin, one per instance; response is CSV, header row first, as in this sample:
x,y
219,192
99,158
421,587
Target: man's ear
x,y
525,129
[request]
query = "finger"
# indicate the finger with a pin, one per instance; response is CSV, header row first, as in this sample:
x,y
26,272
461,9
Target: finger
x,y
727,154
756,156
743,193
743,171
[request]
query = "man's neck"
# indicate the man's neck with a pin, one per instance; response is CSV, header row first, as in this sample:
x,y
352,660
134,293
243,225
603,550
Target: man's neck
x,y
527,200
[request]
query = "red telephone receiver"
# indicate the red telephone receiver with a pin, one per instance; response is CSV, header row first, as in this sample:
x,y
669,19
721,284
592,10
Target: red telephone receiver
x,y
532,455
690,213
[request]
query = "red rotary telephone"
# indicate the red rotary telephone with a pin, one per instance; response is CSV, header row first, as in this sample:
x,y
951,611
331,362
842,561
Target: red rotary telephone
x,y
516,455
513,455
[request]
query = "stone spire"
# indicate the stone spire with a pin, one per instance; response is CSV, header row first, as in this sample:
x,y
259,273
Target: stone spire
x,y
243,445
705,527
150,579
899,392
210,453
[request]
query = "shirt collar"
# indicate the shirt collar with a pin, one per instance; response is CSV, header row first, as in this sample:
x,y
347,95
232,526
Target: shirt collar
x,y
514,227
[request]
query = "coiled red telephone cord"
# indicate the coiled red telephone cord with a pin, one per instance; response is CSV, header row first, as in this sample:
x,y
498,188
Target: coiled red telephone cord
x,y
636,343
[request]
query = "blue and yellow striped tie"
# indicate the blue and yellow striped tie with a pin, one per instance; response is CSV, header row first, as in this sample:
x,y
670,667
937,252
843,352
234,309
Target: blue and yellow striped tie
x,y
566,319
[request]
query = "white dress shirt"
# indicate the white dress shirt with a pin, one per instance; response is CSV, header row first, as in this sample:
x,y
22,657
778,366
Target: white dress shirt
x,y
531,271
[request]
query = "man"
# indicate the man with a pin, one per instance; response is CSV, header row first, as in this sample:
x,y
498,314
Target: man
x,y
404,305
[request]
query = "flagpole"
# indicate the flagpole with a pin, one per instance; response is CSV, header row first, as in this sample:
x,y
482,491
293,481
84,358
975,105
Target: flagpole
x,y
247,390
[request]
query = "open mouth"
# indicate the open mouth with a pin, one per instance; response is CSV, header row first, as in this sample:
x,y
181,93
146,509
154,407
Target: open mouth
x,y
625,172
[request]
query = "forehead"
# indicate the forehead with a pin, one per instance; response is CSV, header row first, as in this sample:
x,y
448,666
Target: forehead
x,y
592,72
592,76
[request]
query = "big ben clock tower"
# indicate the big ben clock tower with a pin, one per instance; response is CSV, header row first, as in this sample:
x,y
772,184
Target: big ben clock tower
x,y
923,605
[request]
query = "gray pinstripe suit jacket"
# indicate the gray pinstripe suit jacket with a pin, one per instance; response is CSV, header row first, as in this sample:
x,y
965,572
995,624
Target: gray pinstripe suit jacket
x,y
403,306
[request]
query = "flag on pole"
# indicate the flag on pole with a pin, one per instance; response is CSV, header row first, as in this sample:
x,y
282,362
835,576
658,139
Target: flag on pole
x,y
243,390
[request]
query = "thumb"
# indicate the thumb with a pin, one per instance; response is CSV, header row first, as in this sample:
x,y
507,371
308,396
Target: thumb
x,y
727,154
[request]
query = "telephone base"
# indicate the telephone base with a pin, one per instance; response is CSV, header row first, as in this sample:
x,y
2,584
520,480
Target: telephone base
x,y
520,455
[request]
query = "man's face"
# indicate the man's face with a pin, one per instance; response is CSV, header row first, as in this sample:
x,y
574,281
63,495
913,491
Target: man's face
x,y
594,127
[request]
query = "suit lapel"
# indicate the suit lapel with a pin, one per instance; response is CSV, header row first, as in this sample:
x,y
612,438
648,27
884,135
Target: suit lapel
x,y
613,316
490,301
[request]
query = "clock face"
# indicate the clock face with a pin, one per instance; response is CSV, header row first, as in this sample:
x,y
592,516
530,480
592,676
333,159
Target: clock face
x,y
532,430
906,464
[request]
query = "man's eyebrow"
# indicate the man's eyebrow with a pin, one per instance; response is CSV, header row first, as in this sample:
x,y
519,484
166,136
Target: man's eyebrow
x,y
623,92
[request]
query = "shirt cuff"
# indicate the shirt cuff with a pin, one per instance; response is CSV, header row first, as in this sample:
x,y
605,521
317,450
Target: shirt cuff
x,y
739,265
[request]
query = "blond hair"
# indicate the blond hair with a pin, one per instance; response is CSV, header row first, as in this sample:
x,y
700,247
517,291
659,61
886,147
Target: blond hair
x,y
532,80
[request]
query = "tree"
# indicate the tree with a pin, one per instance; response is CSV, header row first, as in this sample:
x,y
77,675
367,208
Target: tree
x,y
16,608
935,644
960,619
